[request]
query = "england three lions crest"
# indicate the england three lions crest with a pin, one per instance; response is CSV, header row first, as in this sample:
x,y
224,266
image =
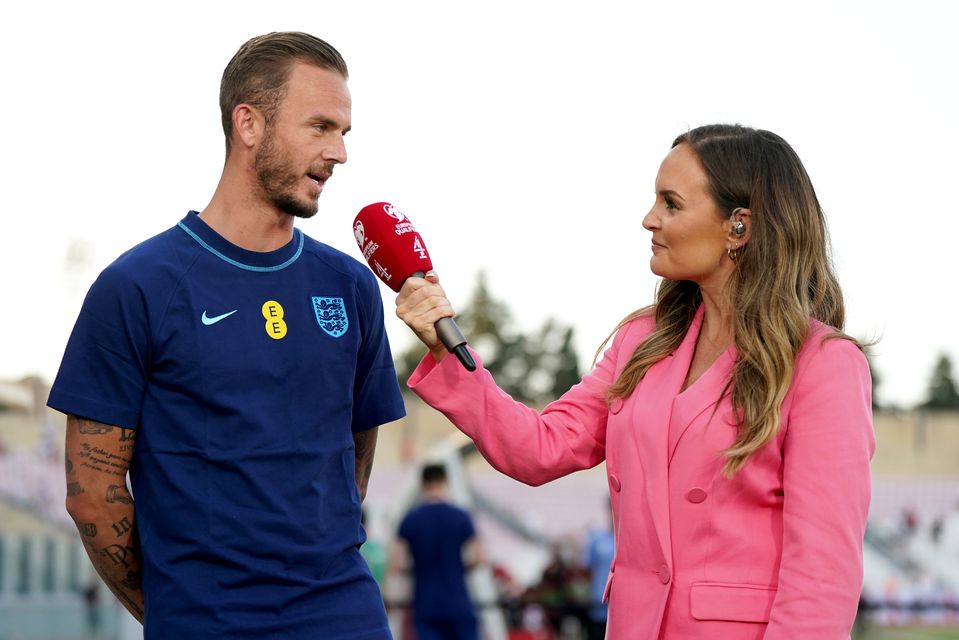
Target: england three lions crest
x,y
331,315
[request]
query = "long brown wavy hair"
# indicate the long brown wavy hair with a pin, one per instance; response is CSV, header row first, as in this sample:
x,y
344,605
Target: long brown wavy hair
x,y
783,277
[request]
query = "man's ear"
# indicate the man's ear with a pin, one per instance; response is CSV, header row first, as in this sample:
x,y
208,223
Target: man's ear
x,y
248,125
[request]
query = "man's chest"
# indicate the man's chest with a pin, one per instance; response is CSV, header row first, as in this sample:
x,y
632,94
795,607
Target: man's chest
x,y
258,331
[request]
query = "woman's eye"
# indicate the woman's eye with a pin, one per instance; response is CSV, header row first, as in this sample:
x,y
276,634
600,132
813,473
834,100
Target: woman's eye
x,y
670,205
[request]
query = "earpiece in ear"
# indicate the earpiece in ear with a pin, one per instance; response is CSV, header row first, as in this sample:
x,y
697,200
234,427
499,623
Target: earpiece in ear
x,y
738,227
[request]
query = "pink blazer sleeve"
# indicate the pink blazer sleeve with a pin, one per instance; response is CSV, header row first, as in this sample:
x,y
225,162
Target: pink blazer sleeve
x,y
569,435
828,442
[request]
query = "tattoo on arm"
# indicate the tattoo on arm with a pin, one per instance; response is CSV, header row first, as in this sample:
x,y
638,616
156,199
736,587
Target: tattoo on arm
x,y
120,554
117,493
91,428
132,581
122,574
365,442
97,460
122,527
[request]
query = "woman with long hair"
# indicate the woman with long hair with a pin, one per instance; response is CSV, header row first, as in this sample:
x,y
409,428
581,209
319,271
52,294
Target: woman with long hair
x,y
733,414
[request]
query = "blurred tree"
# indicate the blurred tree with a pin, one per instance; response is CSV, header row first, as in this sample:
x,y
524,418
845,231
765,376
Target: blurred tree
x,y
942,388
534,368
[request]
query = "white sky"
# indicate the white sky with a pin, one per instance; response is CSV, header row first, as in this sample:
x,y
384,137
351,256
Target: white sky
x,y
521,137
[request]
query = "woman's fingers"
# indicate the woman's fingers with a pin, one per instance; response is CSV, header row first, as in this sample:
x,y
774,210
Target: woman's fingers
x,y
421,303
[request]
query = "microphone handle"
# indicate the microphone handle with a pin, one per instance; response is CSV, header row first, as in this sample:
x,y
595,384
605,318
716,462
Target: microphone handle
x,y
455,343
452,338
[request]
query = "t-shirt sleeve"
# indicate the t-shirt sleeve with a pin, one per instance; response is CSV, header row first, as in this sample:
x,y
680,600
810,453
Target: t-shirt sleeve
x,y
104,370
376,394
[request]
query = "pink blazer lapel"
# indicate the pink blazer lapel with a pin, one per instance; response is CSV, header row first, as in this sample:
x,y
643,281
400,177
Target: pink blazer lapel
x,y
651,410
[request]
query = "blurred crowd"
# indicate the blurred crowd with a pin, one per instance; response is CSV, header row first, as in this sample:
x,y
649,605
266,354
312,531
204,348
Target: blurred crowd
x,y
562,604
34,481
924,600
924,592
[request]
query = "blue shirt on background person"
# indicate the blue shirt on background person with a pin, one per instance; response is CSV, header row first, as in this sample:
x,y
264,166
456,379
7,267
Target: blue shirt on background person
x,y
599,557
437,535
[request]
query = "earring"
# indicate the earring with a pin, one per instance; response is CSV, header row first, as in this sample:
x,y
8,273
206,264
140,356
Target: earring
x,y
734,252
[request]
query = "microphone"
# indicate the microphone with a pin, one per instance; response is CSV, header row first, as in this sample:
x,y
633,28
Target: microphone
x,y
393,248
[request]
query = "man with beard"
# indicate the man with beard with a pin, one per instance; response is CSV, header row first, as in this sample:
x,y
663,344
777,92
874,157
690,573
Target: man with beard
x,y
239,371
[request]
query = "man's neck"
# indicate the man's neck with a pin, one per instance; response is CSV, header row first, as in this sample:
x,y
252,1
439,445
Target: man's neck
x,y
434,494
236,213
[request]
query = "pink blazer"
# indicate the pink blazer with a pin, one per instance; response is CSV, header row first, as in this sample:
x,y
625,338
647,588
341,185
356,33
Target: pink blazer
x,y
774,553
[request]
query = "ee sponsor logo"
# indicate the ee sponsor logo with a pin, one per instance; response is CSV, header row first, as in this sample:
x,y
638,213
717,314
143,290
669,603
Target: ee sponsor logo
x,y
273,313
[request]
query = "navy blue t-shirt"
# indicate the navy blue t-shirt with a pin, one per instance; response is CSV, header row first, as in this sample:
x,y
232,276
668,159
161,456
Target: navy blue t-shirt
x,y
244,375
435,533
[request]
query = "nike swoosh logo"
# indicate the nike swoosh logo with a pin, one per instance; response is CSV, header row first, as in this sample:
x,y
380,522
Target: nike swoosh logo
x,y
207,320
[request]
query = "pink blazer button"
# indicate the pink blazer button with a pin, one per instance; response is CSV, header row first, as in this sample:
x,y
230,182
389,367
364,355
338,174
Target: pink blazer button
x,y
614,482
616,405
696,495
664,574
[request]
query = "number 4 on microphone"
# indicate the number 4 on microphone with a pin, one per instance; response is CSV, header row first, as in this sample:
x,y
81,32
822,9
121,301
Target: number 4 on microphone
x,y
418,248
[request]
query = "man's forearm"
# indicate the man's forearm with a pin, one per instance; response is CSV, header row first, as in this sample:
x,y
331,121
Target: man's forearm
x,y
111,542
97,460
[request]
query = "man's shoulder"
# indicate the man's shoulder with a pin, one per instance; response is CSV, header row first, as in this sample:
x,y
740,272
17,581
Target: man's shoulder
x,y
142,263
339,261
434,507
452,511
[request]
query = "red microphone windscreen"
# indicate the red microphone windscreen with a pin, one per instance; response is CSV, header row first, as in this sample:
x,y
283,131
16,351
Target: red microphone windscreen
x,y
390,244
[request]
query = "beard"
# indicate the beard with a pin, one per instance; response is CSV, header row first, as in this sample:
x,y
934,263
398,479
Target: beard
x,y
279,180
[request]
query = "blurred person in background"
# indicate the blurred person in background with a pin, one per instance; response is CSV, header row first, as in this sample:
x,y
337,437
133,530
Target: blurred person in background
x,y
598,558
440,540
562,591
733,414
238,370
91,606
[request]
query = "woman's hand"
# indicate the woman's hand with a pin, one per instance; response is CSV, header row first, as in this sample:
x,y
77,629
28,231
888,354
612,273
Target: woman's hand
x,y
421,303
